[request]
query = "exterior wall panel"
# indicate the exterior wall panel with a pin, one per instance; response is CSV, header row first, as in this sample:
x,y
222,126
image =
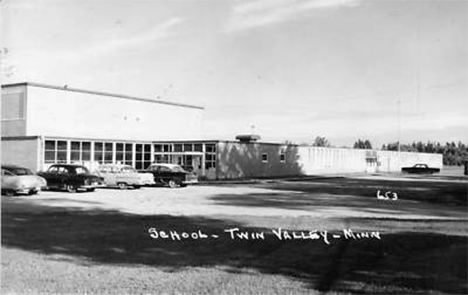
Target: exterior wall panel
x,y
13,106
61,113
22,152
244,160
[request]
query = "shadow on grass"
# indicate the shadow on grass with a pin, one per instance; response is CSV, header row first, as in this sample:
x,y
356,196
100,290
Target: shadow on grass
x,y
402,262
450,193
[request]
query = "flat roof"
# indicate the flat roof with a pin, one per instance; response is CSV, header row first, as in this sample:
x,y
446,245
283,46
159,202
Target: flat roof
x,y
67,88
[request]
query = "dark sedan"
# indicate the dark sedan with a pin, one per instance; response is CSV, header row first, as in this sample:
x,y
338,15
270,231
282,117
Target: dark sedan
x,y
171,175
71,178
420,169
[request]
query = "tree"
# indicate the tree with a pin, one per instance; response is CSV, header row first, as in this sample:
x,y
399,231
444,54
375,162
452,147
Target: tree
x,y
453,153
363,144
321,141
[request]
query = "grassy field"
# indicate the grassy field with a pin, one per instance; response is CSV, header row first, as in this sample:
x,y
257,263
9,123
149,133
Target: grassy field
x,y
99,243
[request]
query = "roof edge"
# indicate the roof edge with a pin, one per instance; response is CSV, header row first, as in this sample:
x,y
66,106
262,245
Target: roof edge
x,y
66,88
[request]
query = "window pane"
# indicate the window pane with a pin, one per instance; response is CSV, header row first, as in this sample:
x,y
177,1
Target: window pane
x,y
119,147
108,157
138,147
147,148
177,147
61,156
98,146
75,145
128,147
62,145
108,146
50,145
86,156
49,156
86,146
98,157
75,156
198,147
188,147
157,148
210,148
147,157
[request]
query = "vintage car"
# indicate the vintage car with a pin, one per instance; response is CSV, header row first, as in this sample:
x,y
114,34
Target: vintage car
x,y
171,175
71,178
19,180
420,169
124,176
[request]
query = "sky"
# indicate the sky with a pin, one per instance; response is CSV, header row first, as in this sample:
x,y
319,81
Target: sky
x,y
288,70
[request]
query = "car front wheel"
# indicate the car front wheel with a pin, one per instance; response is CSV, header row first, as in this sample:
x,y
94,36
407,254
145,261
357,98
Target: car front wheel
x,y
122,185
71,188
173,183
9,193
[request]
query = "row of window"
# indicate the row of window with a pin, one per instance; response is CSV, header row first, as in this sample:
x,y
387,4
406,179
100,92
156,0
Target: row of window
x,y
184,147
80,151
282,158
55,151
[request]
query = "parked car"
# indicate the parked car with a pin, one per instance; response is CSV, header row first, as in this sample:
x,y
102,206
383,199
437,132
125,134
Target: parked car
x,y
20,180
420,169
124,176
71,178
171,175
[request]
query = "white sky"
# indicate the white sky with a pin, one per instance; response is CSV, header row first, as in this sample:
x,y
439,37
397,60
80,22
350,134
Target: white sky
x,y
294,69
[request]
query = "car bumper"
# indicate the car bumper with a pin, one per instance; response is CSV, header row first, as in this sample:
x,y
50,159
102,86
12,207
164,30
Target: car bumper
x,y
149,182
26,190
192,181
92,186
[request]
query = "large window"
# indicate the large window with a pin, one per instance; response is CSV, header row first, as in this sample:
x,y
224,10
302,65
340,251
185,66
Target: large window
x,y
210,156
12,106
124,153
55,151
80,151
103,152
142,156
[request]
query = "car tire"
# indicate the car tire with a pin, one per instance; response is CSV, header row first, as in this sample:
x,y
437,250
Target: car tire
x,y
173,183
71,188
122,185
9,193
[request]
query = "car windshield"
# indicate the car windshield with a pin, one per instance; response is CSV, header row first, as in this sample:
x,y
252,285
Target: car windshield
x,y
20,171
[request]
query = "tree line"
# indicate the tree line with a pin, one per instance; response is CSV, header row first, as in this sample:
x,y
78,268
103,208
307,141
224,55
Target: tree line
x,y
452,153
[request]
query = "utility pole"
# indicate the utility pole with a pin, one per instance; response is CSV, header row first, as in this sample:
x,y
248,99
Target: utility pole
x,y
399,130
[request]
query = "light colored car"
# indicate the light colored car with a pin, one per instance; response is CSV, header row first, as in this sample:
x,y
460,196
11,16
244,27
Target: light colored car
x,y
20,180
121,176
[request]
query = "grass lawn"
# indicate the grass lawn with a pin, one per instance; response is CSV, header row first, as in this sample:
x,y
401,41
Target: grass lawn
x,y
97,250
